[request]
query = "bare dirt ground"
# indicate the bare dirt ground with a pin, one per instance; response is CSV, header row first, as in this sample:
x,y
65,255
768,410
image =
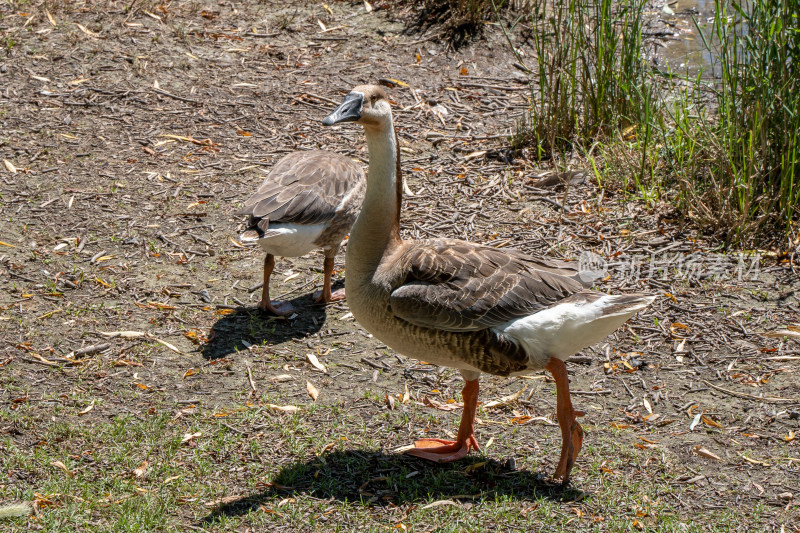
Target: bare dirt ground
x,y
130,135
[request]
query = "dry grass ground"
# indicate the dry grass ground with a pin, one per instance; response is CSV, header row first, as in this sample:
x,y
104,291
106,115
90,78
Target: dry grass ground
x,y
129,135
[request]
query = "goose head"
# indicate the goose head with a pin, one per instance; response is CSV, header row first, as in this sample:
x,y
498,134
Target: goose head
x,y
367,105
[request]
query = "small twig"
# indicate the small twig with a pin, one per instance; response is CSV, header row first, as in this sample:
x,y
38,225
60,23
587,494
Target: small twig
x,y
261,35
255,287
627,388
239,431
374,364
765,399
250,377
176,97
93,349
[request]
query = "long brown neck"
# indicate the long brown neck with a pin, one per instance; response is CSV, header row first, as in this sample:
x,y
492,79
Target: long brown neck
x,y
377,228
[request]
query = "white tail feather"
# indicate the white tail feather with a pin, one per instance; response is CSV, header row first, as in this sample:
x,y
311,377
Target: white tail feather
x,y
566,328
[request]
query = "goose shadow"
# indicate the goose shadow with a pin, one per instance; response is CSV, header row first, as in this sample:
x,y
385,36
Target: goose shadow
x,y
250,325
379,479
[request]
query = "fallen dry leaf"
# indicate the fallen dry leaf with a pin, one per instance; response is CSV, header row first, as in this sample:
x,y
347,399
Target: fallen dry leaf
x,y
647,405
311,358
476,466
439,503
87,31
312,391
442,406
10,166
283,408
139,472
753,461
695,421
166,344
89,408
702,451
505,400
62,466
189,436
675,327
42,359
281,378
780,333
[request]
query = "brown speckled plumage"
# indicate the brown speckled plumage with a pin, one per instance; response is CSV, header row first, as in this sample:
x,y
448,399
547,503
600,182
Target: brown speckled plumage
x,y
437,300
308,188
308,200
461,286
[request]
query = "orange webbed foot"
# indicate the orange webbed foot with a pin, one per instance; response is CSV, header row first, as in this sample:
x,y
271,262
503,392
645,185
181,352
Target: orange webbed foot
x,y
276,308
443,451
335,296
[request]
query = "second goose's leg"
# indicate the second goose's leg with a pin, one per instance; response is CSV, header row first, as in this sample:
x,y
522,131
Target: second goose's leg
x,y
571,430
278,308
326,295
444,451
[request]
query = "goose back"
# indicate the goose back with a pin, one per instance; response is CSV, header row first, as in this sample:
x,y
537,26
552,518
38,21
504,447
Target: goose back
x,y
309,188
453,285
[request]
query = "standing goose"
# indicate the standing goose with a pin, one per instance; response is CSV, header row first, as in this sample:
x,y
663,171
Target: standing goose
x,y
464,305
308,200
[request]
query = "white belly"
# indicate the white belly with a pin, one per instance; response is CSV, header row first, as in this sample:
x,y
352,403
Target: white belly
x,y
563,330
291,240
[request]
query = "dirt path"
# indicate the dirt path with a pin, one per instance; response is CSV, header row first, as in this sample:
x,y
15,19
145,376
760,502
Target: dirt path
x,y
128,138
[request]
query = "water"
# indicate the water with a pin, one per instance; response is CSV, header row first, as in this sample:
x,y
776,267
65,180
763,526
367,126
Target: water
x,y
684,52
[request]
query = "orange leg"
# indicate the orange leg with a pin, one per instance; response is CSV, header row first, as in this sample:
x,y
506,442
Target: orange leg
x,y
279,308
444,451
326,296
571,431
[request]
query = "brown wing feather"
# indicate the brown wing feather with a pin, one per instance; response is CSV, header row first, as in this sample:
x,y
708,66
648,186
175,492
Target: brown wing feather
x,y
302,188
459,286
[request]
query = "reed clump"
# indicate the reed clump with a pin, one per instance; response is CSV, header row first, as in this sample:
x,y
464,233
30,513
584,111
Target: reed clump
x,y
723,147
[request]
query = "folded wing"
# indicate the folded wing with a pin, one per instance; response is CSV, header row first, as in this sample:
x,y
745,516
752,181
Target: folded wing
x,y
302,188
458,286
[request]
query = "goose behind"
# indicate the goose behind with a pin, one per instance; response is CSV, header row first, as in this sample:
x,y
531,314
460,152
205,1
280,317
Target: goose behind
x,y
465,305
308,200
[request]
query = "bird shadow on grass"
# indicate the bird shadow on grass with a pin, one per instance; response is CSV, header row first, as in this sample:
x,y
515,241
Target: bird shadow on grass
x,y
250,325
378,479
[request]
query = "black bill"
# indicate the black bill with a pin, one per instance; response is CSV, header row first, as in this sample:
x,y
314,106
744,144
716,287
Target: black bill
x,y
349,111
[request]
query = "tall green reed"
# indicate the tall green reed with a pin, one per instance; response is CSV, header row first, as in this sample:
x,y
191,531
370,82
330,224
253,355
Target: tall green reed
x,y
730,161
736,159
758,102
590,77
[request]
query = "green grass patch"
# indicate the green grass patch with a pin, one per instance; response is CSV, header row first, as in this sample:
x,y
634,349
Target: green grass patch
x,y
327,467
